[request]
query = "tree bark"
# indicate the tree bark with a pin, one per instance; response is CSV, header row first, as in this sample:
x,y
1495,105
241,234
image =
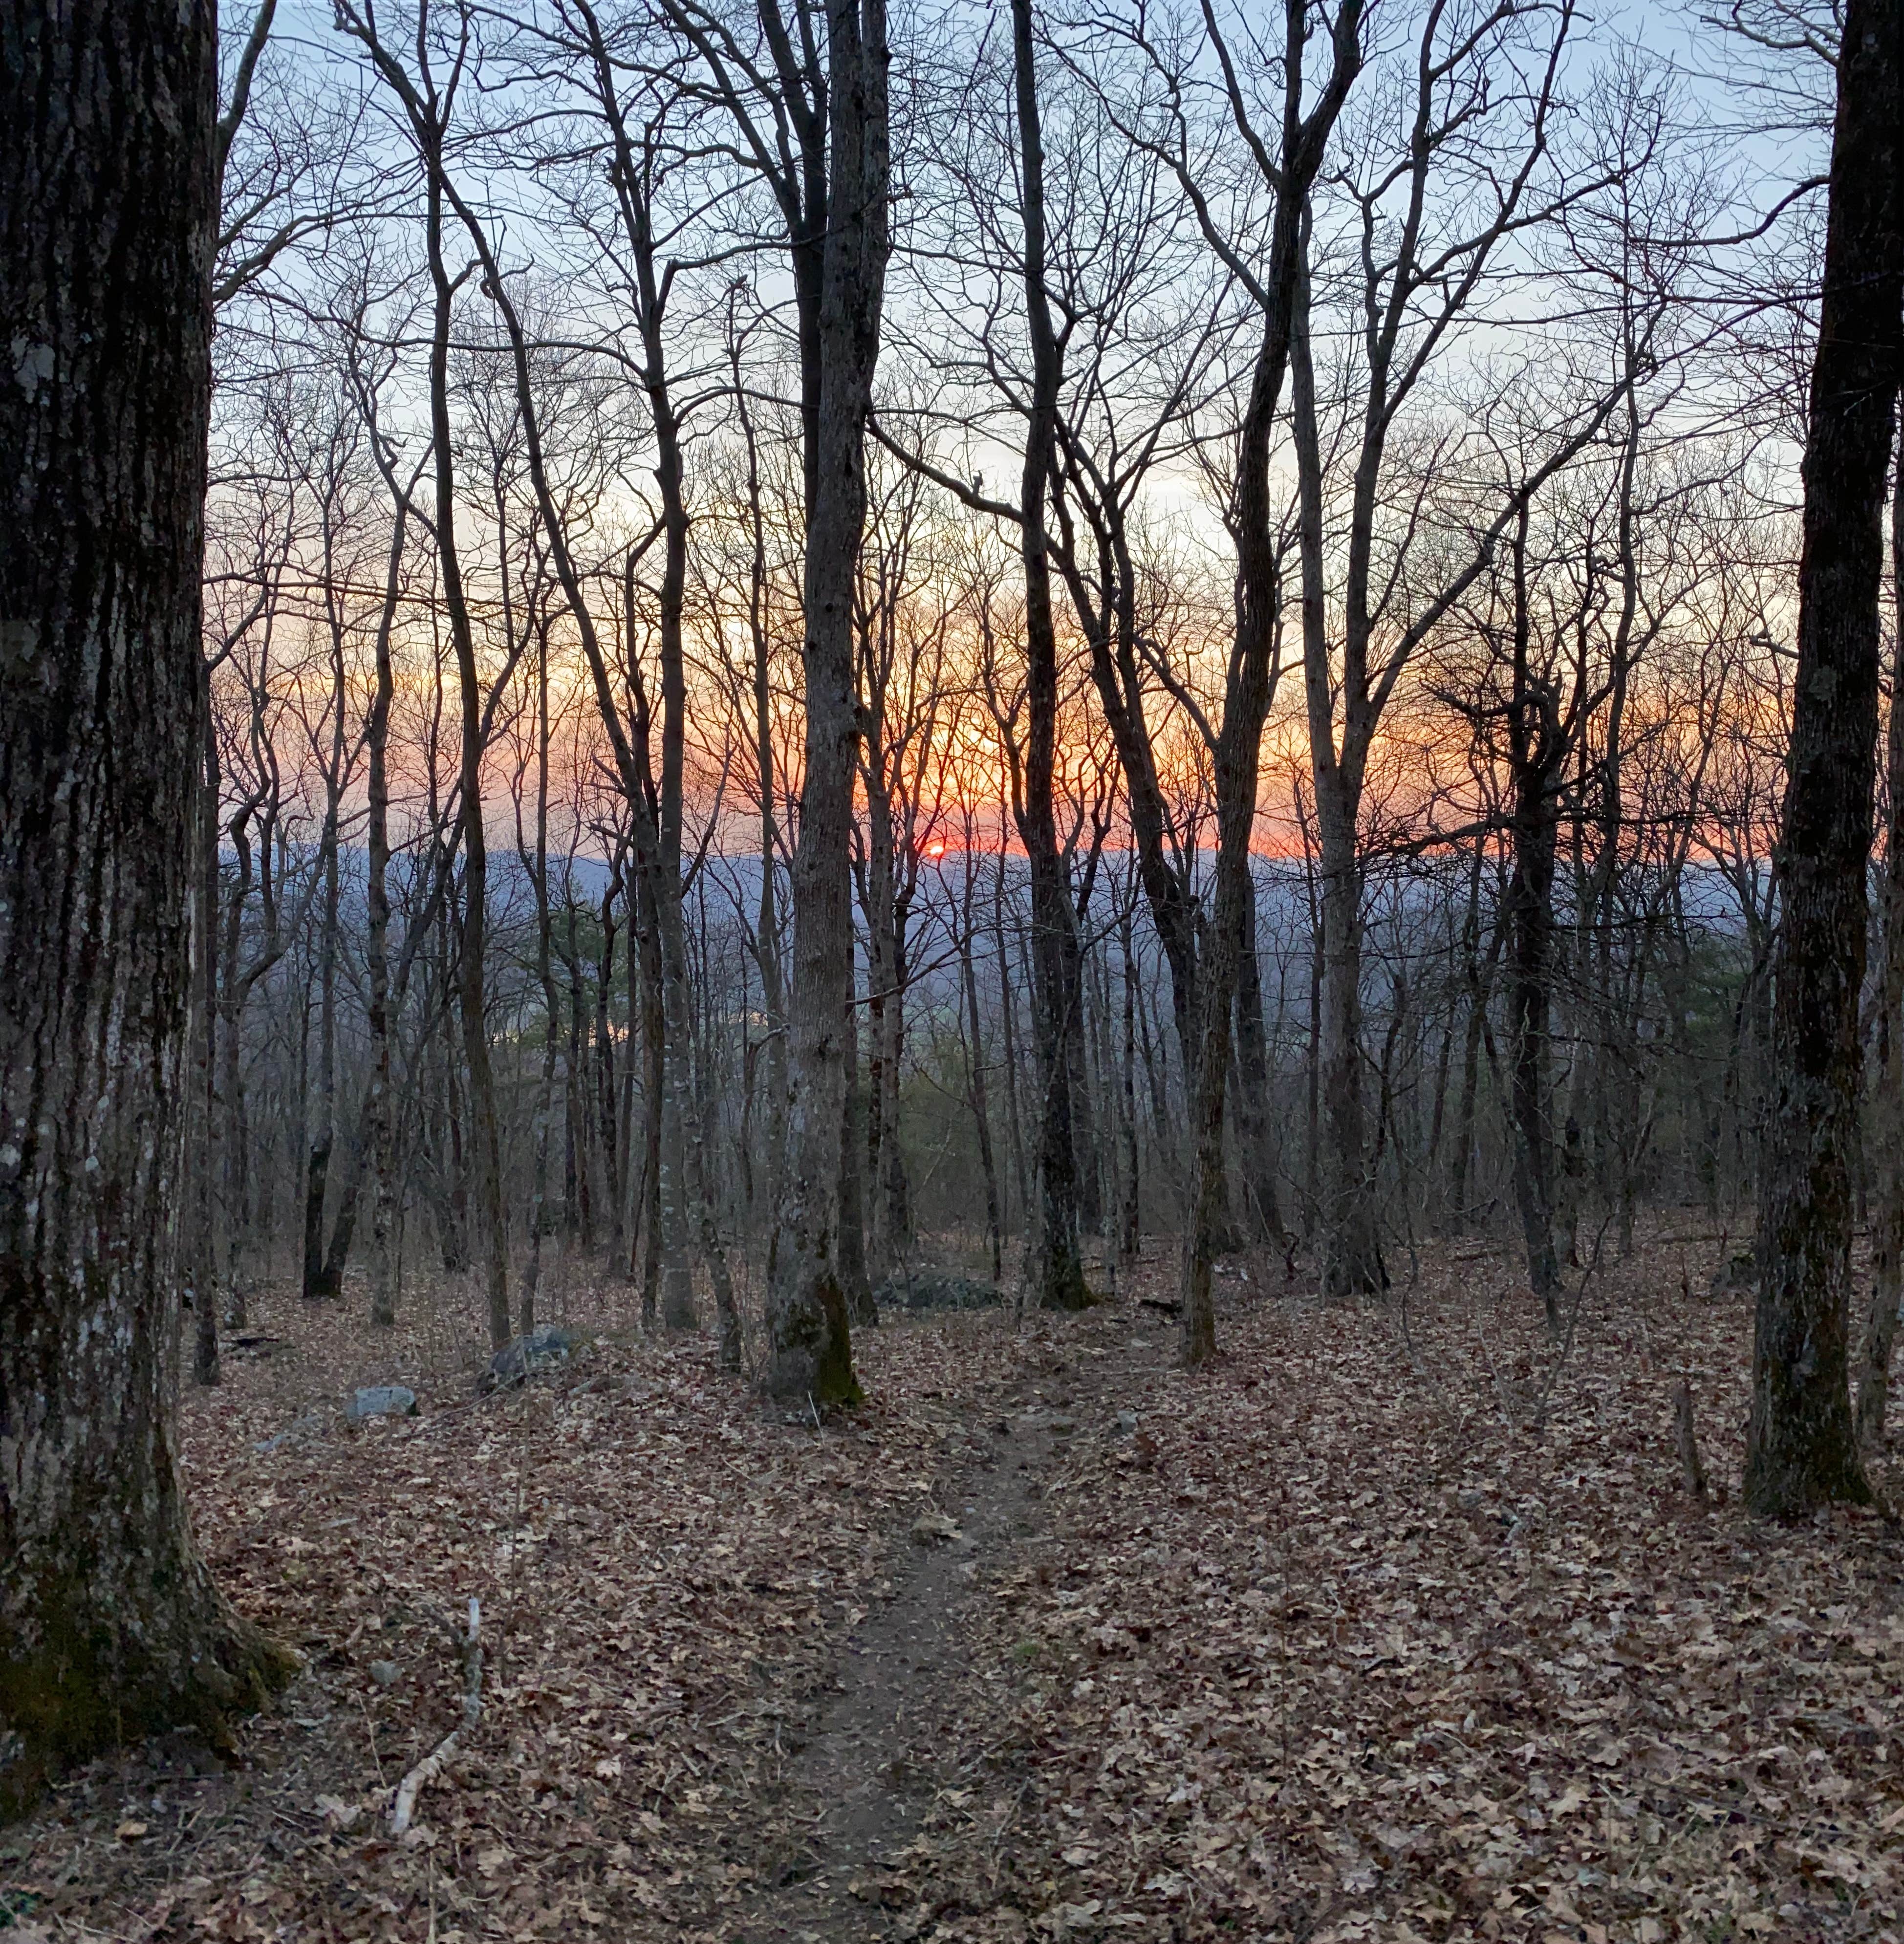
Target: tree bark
x,y
1254,660
1058,1276
380,1130
1887,1094
323,1136
1255,1134
202,1270
1537,746
809,1348
110,1624
492,1233
1801,1450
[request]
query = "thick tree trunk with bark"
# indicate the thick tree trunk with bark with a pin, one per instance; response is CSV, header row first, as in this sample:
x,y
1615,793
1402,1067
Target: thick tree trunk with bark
x,y
1887,1094
110,1624
1801,1450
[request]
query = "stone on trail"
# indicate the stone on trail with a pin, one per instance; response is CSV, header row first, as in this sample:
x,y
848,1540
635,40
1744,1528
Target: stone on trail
x,y
541,1350
380,1400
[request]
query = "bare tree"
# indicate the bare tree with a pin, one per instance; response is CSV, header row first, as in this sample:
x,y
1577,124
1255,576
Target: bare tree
x,y
1802,1449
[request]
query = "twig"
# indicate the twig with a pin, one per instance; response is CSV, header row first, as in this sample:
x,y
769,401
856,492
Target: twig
x,y
469,1646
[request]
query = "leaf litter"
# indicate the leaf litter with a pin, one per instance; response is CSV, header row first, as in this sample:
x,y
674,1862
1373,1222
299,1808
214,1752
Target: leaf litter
x,y
1397,1624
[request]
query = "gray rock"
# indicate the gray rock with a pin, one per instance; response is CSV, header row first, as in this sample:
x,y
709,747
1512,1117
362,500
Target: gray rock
x,y
1127,1420
380,1400
384,1673
1739,1270
541,1350
936,1289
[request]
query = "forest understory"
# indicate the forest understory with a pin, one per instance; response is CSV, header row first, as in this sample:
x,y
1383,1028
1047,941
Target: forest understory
x,y
1399,1623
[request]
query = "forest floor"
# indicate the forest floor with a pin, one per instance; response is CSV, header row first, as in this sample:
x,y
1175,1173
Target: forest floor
x,y
1397,1623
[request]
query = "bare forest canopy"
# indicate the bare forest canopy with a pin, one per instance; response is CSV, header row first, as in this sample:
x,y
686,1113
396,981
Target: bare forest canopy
x,y
1202,702
1556,276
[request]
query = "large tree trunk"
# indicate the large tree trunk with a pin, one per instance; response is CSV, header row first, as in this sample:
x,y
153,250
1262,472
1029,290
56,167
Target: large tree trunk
x,y
1801,1450
1887,1095
110,1624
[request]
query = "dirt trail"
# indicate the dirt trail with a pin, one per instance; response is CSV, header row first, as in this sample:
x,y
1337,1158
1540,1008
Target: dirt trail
x,y
883,1745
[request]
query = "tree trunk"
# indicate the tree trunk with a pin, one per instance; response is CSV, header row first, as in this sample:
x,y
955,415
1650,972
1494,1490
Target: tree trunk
x,y
1131,1221
1058,1276
1008,1034
1887,1095
202,1269
110,1624
538,868
1535,747
975,1086
1352,1263
323,1135
1255,1135
380,1131
809,1348
654,1089
604,1094
492,1233
855,1279
1801,1450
